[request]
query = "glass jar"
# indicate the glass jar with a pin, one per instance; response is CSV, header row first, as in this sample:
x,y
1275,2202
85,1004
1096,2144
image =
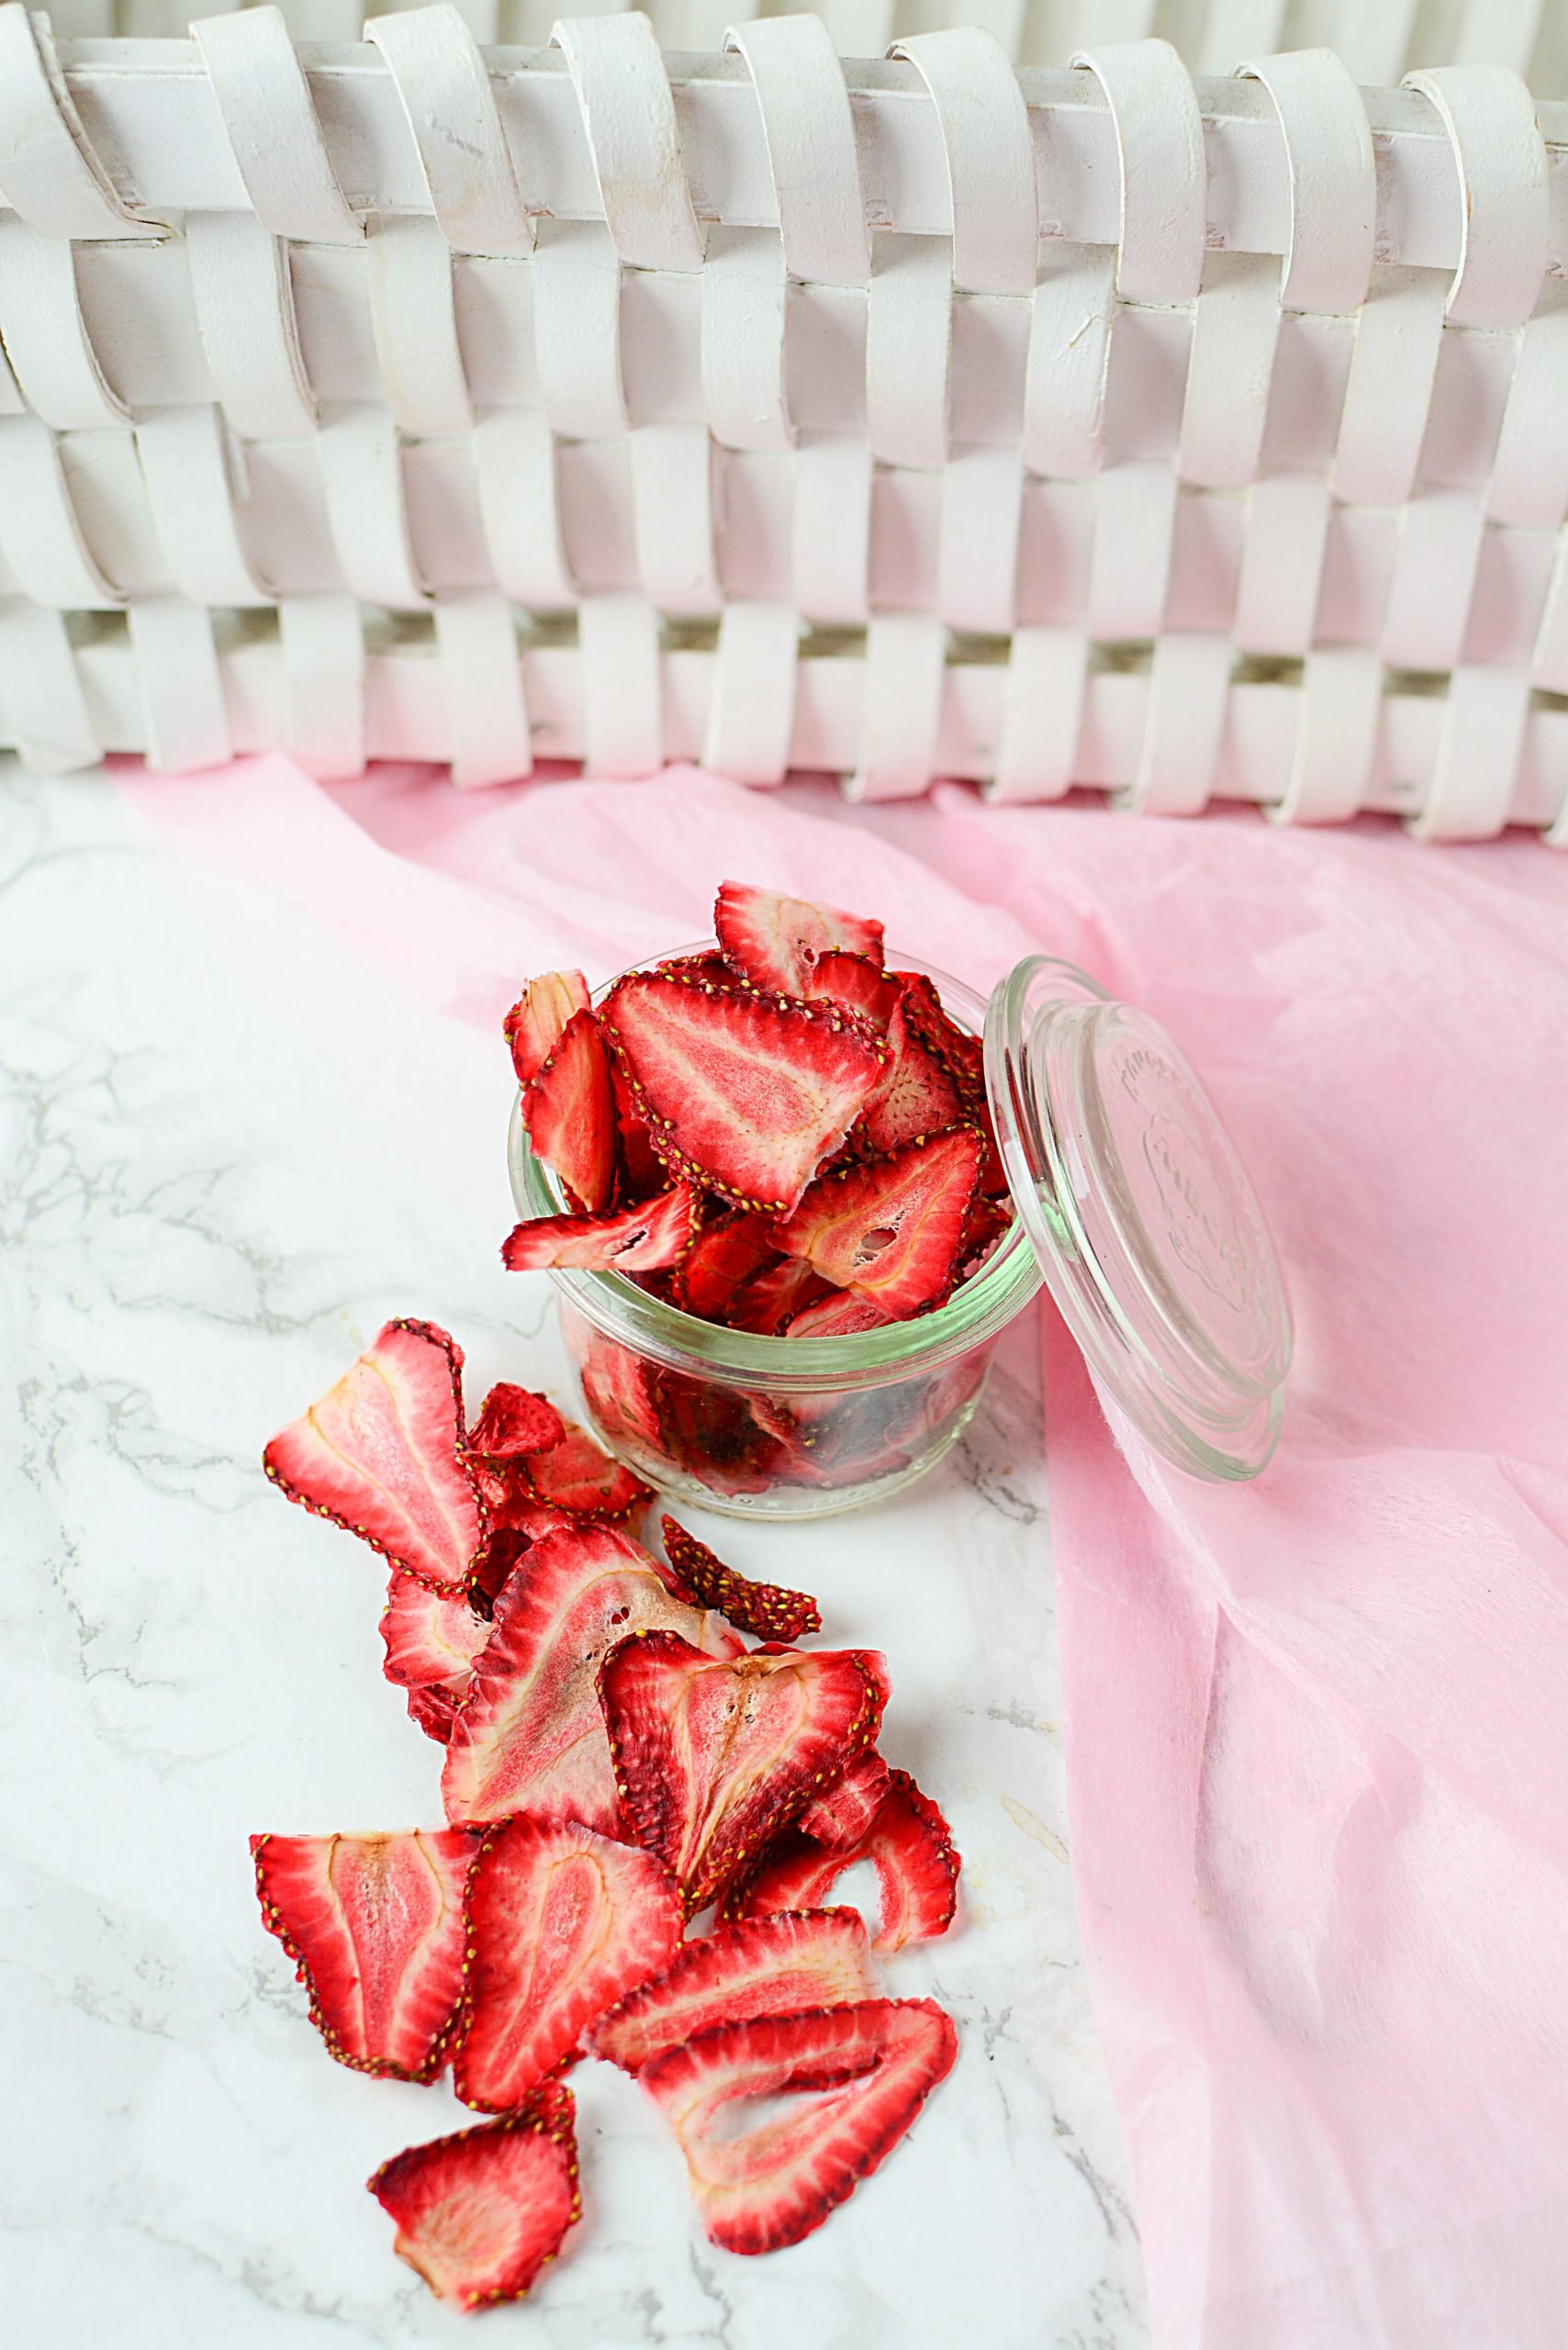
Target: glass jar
x,y
778,1427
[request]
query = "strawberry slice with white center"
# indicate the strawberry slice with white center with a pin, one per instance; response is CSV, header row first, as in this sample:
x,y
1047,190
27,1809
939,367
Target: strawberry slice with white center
x,y
562,1923
537,1019
872,2066
909,1844
844,1813
771,1611
858,982
768,1966
374,1924
892,1229
569,1111
381,1453
742,1092
430,1639
778,942
481,2212
635,1240
840,1315
578,1477
714,1759
529,1734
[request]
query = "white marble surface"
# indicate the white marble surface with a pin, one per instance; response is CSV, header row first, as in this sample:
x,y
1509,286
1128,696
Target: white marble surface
x,y
230,1148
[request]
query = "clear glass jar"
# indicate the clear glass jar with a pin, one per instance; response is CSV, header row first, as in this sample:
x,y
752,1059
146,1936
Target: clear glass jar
x,y
778,1427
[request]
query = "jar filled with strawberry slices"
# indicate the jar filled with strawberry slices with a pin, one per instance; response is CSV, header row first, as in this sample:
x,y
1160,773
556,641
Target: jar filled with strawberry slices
x,y
791,1185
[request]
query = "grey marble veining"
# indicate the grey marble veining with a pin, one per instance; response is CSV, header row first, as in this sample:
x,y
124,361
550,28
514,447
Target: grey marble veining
x,y
229,1150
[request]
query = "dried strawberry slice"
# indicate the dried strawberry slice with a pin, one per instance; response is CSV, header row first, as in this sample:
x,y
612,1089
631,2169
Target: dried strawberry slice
x,y
840,1315
857,981
742,1092
844,1813
911,1847
578,1478
433,1710
562,1923
724,1255
960,1054
768,1610
381,1453
529,1734
375,1925
777,941
713,1760
915,1096
875,2064
615,1388
569,1111
481,2212
724,1436
633,1239
892,1229
768,1302
515,1419
534,1025
428,1637
768,1966
642,1173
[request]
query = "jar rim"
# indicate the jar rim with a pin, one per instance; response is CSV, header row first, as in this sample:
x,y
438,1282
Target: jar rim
x,y
976,1312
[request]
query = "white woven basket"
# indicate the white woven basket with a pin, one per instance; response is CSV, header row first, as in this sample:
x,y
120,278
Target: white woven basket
x,y
1182,439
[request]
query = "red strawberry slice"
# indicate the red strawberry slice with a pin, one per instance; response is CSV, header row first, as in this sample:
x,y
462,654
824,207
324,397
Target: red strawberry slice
x,y
515,1419
911,1847
381,1453
768,1966
374,1924
777,941
633,1239
842,1814
569,1111
892,1229
480,2213
534,1025
578,1478
769,1302
724,1255
562,1924
915,1096
615,1388
858,982
714,1759
729,1439
768,1610
960,1054
529,1734
433,1710
874,2065
430,1639
840,1315
642,1173
742,1093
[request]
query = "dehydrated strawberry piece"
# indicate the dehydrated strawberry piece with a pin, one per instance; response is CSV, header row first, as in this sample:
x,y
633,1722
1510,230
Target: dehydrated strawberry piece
x,y
481,2212
631,1240
615,1387
375,1925
766,1610
562,1923
530,1736
727,1438
844,1813
766,1966
515,1419
892,1229
960,1054
569,1111
534,1025
768,1302
642,1173
707,968
381,1453
840,1315
857,981
428,1637
433,1710
914,1094
724,1255
742,1092
578,1477
874,2062
777,941
713,1760
911,1847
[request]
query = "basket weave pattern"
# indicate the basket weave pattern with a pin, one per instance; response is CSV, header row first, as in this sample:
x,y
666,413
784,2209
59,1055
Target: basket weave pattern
x,y
923,418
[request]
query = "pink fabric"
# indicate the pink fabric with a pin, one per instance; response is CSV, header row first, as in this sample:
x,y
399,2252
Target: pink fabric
x,y
1317,1726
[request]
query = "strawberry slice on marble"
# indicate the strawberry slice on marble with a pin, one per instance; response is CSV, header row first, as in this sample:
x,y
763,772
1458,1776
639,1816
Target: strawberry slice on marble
x,y
481,2212
375,1926
769,1611
892,1229
562,1924
537,1019
909,1844
714,1759
382,1454
842,1814
515,1419
579,1479
778,942
636,1239
430,1642
872,2067
766,1966
529,1735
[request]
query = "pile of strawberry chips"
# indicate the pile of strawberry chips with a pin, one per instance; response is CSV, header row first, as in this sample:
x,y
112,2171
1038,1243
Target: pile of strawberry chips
x,y
644,1814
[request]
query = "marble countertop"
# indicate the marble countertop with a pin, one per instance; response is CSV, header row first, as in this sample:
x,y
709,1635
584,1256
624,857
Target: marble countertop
x,y
231,1147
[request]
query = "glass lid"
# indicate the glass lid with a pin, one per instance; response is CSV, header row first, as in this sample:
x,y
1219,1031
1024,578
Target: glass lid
x,y
1148,1230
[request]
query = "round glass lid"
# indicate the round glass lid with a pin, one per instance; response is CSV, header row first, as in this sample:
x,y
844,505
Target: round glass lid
x,y
1148,1230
